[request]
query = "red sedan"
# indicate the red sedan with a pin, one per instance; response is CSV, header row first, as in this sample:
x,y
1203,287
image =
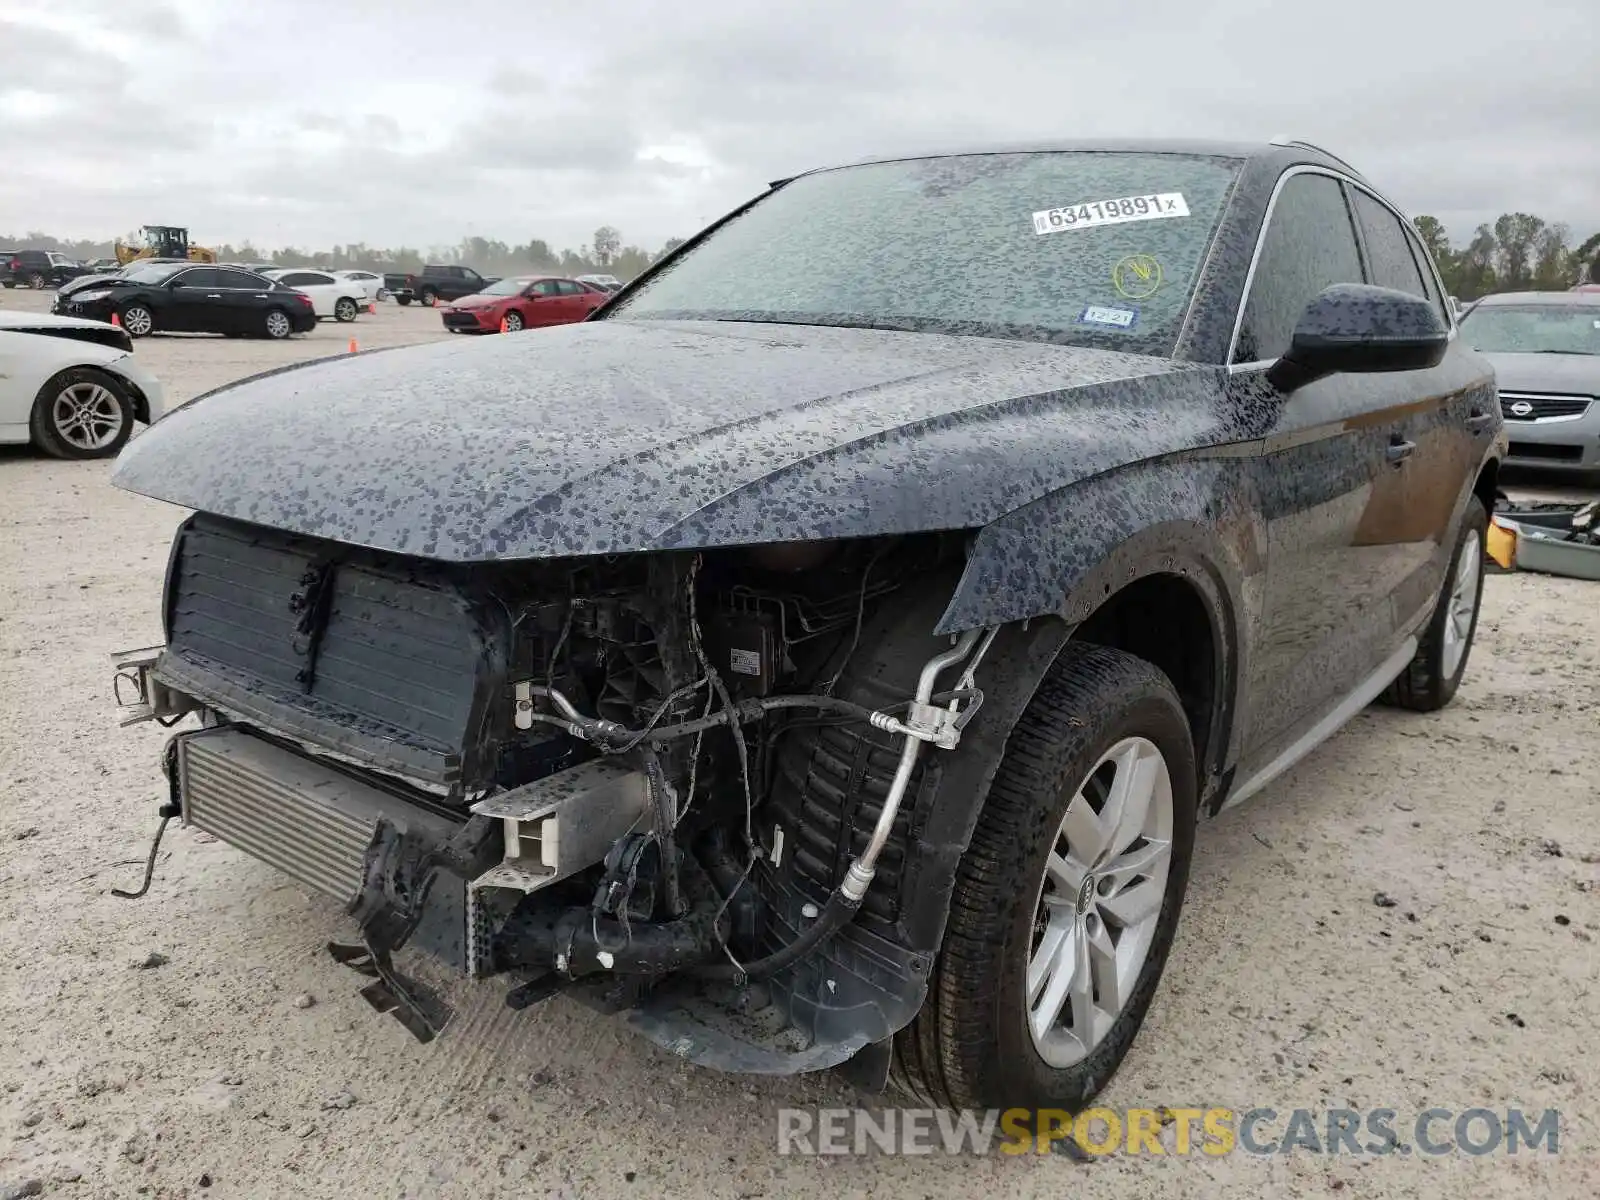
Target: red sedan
x,y
524,302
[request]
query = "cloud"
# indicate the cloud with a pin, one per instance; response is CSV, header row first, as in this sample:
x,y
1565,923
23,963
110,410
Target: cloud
x,y
408,121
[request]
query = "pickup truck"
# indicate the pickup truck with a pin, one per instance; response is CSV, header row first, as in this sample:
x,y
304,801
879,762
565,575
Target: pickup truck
x,y
437,282
822,655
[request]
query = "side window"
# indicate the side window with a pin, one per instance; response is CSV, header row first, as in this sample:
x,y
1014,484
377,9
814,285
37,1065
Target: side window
x,y
469,274
1430,282
200,277
1310,245
292,278
569,288
546,287
240,280
1388,253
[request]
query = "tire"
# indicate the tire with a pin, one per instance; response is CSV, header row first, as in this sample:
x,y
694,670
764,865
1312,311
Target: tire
x,y
82,413
1430,680
402,301
513,321
275,323
10,284
430,298
972,1045
137,320
37,281
344,310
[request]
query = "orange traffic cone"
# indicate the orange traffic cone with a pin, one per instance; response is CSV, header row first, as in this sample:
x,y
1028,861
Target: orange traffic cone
x,y
505,326
372,308
116,320
352,346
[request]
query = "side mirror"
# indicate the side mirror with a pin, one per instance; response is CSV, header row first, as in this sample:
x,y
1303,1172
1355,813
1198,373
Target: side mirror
x,y
1359,328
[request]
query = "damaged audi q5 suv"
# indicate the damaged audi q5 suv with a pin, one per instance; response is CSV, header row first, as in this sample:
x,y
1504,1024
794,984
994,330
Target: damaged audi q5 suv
x,y
821,657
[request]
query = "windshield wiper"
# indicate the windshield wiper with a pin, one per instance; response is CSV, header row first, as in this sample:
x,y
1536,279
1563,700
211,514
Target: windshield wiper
x,y
825,322
1582,353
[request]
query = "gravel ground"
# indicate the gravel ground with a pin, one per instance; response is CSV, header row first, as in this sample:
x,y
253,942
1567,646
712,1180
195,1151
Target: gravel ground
x,y
200,1042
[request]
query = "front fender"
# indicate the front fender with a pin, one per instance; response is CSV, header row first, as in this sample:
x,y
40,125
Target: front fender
x,y
1066,553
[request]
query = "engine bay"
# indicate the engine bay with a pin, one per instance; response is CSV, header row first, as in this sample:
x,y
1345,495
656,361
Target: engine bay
x,y
646,779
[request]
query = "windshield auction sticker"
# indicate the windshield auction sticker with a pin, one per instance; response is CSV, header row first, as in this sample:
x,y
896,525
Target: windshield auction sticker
x,y
1153,206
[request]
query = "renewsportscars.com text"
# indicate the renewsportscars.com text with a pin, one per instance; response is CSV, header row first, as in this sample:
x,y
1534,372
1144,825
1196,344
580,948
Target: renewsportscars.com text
x,y
1169,1131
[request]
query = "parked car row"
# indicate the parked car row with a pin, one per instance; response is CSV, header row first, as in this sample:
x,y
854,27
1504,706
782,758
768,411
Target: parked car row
x,y
149,297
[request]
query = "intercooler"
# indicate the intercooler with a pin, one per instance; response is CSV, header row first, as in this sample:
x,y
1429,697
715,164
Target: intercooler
x,y
307,818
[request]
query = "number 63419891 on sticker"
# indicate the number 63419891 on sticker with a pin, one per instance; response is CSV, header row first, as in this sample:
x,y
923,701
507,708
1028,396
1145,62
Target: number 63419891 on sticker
x,y
1152,206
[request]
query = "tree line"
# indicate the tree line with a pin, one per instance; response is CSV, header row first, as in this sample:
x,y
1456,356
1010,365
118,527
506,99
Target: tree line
x,y
605,253
1516,252
1519,252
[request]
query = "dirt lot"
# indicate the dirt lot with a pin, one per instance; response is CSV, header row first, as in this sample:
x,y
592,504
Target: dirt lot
x,y
199,1042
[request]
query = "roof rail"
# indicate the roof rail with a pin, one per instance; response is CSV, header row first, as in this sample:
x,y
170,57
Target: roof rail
x,y
1305,145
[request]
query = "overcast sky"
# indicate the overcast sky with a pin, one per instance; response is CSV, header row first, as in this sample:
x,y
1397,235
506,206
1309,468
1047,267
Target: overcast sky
x,y
418,122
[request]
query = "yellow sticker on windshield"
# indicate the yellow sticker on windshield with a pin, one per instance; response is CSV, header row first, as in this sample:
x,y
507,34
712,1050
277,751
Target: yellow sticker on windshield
x,y
1137,276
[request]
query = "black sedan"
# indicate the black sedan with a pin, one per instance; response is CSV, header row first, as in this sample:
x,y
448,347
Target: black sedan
x,y
184,298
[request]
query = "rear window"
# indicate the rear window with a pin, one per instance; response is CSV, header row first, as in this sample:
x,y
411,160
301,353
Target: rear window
x,y
1086,248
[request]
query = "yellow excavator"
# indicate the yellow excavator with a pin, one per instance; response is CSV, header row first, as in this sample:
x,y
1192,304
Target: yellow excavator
x,y
164,241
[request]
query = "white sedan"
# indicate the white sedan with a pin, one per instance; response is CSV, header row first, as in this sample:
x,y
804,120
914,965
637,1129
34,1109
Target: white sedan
x,y
71,386
371,283
331,296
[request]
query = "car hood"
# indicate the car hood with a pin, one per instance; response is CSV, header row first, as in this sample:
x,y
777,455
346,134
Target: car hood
x,y
479,300
84,283
616,436
1560,373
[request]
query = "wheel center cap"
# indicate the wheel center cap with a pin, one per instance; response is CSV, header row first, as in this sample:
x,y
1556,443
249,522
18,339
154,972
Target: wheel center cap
x,y
1086,894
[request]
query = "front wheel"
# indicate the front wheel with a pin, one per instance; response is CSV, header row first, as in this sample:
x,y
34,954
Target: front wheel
x,y
1067,899
277,324
138,320
512,322
82,413
1431,678
344,310
37,281
430,298
402,301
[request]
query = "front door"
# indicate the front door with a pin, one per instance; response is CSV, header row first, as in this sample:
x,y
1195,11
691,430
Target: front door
x,y
544,307
1331,480
194,301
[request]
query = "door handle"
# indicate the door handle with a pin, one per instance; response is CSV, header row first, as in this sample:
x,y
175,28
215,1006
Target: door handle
x,y
1399,450
213,295
1479,420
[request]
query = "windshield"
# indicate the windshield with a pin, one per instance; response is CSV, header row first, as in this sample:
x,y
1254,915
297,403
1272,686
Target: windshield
x,y
151,272
1533,328
506,287
1082,248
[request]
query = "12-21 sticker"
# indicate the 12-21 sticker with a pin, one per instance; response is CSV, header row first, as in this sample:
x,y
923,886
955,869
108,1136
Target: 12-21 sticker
x,y
1152,206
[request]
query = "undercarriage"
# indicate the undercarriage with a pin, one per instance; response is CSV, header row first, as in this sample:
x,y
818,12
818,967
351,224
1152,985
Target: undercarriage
x,y
684,787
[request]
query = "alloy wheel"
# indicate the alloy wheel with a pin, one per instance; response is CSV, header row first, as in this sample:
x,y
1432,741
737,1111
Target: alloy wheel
x,y
137,321
278,324
88,416
513,322
1100,901
1461,604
